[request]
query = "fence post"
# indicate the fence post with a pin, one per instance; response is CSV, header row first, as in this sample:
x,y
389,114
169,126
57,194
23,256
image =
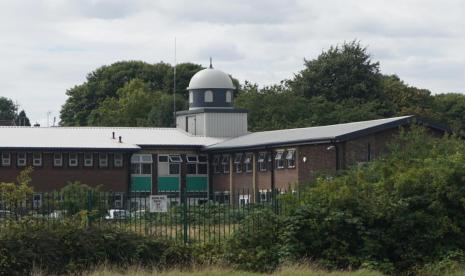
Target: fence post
x,y
184,215
89,208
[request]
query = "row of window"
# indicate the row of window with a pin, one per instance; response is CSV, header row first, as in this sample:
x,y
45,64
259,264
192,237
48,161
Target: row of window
x,y
208,96
59,159
141,164
243,162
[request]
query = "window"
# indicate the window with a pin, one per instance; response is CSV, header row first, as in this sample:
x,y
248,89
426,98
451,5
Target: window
x,y
118,200
192,164
6,159
103,160
175,158
57,160
279,159
36,200
141,164
88,159
191,97
238,162
22,159
175,168
265,196
222,197
37,159
243,199
290,157
216,164
262,161
248,162
225,163
118,160
208,96
73,160
202,165
228,96
162,158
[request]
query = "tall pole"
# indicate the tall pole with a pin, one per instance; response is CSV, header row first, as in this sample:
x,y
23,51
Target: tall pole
x,y
174,84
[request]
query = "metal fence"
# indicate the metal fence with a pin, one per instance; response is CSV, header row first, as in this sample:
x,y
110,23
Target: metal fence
x,y
182,216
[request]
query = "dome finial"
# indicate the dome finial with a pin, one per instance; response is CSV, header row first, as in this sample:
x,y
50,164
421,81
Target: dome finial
x,y
211,66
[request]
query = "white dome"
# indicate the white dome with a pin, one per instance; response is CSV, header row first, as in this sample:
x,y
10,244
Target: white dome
x,y
210,78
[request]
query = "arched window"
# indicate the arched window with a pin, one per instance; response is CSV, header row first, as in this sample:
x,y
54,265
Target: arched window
x,y
208,96
228,96
191,97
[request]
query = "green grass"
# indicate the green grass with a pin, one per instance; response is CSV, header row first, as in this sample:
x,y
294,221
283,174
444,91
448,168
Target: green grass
x,y
222,271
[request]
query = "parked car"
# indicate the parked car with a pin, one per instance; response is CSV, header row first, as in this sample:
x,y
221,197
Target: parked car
x,y
117,214
57,214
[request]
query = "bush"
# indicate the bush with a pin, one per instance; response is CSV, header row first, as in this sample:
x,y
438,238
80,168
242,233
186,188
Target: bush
x,y
255,245
394,214
68,249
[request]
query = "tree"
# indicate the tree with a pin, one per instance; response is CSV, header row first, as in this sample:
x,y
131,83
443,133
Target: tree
x,y
7,109
22,119
103,84
342,72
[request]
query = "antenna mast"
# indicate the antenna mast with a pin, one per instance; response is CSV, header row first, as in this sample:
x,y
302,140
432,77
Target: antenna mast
x,y
174,84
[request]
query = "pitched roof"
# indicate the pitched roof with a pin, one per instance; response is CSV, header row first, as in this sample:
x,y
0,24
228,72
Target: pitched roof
x,y
97,138
309,135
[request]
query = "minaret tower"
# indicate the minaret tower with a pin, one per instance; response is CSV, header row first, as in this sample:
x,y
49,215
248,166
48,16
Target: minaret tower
x,y
211,110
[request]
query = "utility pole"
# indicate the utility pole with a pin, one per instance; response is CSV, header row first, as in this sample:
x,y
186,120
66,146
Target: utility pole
x,y
174,84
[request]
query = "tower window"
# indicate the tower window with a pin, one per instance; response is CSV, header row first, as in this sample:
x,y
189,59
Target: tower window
x,y
228,96
208,96
191,97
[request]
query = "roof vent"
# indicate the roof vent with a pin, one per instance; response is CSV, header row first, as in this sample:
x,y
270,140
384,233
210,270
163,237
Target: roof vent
x,y
113,135
120,139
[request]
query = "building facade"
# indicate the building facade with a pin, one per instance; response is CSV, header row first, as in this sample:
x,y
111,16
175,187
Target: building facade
x,y
210,152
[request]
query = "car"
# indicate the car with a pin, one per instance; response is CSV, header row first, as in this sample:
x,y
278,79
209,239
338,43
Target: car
x,y
114,214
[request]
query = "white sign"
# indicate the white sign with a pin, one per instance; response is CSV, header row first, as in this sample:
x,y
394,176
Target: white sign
x,y
158,204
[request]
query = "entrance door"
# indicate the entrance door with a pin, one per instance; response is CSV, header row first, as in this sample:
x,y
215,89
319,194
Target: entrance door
x,y
191,125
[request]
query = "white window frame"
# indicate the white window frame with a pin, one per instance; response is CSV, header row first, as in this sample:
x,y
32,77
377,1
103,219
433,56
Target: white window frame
x,y
118,200
262,161
225,160
228,96
37,159
6,159
175,158
36,203
88,162
57,162
208,96
73,159
118,160
21,160
238,162
216,163
103,160
279,160
248,162
139,160
202,163
291,156
192,161
244,200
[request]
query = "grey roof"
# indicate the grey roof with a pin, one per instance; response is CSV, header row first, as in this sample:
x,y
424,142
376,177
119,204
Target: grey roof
x,y
309,134
98,138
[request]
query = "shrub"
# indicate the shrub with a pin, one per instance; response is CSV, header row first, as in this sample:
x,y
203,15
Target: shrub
x,y
68,249
255,245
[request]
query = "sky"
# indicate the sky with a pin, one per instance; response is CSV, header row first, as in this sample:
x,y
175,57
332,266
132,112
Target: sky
x,y
49,46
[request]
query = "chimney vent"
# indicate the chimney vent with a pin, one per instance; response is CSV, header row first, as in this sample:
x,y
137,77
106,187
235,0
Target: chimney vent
x,y
113,135
120,139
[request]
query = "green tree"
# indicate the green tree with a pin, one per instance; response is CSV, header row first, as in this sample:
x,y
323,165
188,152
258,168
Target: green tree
x,y
7,109
340,73
450,109
103,84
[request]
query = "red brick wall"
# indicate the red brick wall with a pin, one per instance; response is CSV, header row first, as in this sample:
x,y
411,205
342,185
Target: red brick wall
x,y
48,178
319,159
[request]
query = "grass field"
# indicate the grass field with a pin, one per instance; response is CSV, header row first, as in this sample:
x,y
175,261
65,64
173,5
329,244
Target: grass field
x,y
220,271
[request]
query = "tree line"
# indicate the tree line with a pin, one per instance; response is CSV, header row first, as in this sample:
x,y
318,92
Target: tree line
x,y
9,114
342,84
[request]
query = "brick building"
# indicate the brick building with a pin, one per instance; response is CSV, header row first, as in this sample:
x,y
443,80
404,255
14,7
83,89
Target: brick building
x,y
210,150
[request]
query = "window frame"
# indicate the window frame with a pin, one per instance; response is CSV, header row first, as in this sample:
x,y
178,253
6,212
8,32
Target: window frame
x,y
55,164
208,96
238,162
8,162
225,162
87,159
103,162
137,164
37,159
262,161
279,160
291,156
248,162
72,160
175,158
216,164
117,158
21,161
